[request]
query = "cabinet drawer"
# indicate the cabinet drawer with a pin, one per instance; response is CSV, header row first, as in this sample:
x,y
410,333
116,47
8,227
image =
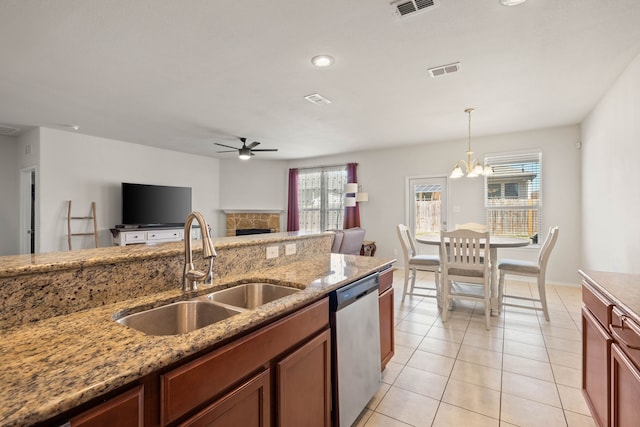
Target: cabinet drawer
x,y
124,410
597,304
132,237
164,235
386,280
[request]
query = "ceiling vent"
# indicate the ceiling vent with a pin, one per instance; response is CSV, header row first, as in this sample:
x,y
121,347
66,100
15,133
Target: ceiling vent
x,y
8,130
316,98
444,69
411,7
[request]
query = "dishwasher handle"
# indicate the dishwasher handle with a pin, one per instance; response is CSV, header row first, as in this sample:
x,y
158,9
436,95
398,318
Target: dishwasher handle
x,y
350,293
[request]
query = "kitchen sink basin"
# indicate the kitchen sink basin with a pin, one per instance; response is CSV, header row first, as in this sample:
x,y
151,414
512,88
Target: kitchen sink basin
x,y
177,318
250,295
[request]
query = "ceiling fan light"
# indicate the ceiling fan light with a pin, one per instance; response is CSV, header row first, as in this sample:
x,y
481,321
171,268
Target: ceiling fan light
x,y
322,60
244,154
511,2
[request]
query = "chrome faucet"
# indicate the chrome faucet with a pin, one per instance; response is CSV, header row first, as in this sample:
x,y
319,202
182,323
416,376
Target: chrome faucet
x,y
191,276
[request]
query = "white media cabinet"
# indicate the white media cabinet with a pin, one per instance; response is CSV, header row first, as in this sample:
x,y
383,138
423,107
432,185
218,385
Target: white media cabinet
x,y
132,236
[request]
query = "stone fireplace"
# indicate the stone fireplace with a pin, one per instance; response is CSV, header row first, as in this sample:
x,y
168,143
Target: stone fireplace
x,y
252,220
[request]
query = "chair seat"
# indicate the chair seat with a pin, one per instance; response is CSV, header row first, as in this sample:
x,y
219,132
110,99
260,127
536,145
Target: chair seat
x,y
463,272
517,266
424,261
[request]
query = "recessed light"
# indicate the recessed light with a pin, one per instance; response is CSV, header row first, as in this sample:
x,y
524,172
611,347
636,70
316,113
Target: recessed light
x,y
511,2
322,60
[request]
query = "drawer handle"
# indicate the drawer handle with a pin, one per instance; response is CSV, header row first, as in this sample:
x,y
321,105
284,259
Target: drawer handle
x,y
618,337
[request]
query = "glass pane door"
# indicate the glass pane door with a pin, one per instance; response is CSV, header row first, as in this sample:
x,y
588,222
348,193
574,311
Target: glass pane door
x,y
427,205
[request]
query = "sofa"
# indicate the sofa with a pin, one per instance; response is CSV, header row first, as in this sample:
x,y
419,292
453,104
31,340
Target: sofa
x,y
348,241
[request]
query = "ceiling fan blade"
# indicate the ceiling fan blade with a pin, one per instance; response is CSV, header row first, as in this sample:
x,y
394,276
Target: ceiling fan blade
x,y
265,149
223,145
227,151
253,144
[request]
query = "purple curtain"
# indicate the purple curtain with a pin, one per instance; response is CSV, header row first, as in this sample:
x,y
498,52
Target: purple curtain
x,y
293,216
352,214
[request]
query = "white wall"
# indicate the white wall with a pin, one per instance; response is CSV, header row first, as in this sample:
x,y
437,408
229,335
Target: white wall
x,y
383,175
610,195
255,184
84,168
9,195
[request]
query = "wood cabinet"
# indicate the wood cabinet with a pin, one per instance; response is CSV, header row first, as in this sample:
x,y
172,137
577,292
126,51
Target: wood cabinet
x,y
125,410
385,303
610,359
227,386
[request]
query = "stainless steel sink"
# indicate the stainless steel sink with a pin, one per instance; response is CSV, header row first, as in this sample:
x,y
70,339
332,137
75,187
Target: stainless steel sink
x,y
250,295
177,318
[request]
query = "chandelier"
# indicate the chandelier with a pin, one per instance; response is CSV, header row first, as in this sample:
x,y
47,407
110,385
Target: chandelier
x,y
473,167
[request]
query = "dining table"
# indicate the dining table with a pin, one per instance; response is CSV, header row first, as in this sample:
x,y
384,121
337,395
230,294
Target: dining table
x,y
495,243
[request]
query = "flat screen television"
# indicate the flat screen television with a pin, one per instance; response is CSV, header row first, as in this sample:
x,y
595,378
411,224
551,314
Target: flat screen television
x,y
155,205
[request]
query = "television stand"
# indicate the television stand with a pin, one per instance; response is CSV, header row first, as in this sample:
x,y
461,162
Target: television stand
x,y
132,236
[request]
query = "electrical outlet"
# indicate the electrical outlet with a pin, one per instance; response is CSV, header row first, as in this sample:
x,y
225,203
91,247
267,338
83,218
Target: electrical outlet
x,y
272,252
290,249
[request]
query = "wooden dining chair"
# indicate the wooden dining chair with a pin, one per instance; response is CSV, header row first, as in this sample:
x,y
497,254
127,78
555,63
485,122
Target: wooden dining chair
x,y
463,261
530,269
414,262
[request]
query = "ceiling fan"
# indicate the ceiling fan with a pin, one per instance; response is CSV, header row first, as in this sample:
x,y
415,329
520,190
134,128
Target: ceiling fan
x,y
246,151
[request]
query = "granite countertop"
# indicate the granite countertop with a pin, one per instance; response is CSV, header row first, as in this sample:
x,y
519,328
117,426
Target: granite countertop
x,y
623,289
56,364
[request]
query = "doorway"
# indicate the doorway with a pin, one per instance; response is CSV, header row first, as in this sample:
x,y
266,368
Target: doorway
x,y
28,210
427,205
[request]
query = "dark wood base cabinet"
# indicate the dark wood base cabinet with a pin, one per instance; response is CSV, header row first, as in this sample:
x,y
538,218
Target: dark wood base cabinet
x,y
125,410
385,303
610,356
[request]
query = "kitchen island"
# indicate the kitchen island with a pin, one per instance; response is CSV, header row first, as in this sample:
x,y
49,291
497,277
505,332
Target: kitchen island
x,y
55,363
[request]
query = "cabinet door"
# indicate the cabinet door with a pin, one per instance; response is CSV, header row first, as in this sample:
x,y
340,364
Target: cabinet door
x,y
124,410
246,406
385,302
303,385
596,359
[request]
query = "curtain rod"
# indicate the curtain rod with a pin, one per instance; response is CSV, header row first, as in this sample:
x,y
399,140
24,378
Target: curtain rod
x,y
325,166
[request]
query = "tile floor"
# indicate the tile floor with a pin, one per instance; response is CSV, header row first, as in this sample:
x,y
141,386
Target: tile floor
x,y
525,371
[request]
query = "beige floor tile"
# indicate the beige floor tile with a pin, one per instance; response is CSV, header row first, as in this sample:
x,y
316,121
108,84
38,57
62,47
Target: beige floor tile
x,y
422,382
527,413
449,415
563,344
437,346
573,400
480,356
479,341
407,340
524,337
477,326
578,420
477,374
391,372
446,334
564,358
520,326
402,354
473,398
526,350
570,334
530,388
379,420
567,376
408,407
426,319
527,367
375,400
412,327
431,362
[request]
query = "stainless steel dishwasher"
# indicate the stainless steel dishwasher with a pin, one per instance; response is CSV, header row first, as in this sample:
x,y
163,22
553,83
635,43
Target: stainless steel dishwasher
x,y
355,342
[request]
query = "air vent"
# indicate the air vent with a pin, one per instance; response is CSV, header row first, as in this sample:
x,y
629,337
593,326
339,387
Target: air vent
x,y
444,69
8,130
411,7
316,98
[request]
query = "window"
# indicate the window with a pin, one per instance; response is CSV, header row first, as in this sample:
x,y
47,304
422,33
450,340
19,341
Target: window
x,y
513,197
320,198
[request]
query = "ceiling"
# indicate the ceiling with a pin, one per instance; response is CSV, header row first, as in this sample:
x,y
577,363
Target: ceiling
x,y
183,75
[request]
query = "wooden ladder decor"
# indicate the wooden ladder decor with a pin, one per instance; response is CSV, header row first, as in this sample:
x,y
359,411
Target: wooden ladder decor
x,y
91,217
